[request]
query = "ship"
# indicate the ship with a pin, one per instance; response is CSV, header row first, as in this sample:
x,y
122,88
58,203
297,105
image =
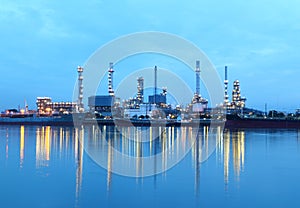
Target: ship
x,y
236,121
33,119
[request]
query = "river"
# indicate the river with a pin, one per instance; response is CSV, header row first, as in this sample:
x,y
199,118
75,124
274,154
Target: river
x,y
44,166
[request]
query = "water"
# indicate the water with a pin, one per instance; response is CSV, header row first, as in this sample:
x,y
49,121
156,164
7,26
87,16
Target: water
x,y
48,167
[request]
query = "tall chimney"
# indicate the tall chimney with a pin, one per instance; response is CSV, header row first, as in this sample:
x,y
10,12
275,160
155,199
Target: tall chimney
x,y
198,77
226,98
110,79
80,89
155,83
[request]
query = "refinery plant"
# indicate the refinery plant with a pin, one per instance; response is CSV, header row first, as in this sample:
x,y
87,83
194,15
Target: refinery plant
x,y
139,108
109,106
156,107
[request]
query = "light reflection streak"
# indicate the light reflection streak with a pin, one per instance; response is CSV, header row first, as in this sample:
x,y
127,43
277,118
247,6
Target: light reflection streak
x,y
43,146
138,143
130,141
66,143
234,149
6,144
22,143
205,141
226,147
78,150
109,165
47,142
196,152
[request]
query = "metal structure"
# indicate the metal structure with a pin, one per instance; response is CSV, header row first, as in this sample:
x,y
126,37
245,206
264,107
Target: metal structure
x,y
226,97
237,100
198,104
155,83
198,77
140,89
110,79
80,89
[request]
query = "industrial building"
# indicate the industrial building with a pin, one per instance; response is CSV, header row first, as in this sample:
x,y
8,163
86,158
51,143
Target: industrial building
x,y
45,107
101,104
159,99
105,104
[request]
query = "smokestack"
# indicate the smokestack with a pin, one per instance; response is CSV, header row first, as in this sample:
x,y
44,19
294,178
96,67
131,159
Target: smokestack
x,y
140,89
80,89
198,77
226,98
155,83
110,79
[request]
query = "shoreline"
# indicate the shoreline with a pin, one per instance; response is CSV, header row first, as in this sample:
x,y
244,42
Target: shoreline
x,y
229,123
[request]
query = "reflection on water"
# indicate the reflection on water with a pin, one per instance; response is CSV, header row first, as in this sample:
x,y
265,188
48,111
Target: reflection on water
x,y
43,146
78,153
57,140
6,144
22,141
232,145
145,151
136,142
230,149
238,148
114,145
169,142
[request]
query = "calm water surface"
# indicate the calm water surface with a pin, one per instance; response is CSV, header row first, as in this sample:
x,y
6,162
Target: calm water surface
x,y
48,167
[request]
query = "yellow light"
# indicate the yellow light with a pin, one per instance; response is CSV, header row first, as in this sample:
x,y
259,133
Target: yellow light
x,y
48,110
22,142
47,142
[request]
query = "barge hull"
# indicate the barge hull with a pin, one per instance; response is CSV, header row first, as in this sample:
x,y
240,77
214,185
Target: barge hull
x,y
263,123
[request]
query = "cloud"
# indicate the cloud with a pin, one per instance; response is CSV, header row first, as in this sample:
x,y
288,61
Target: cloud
x,y
265,51
50,27
32,17
9,10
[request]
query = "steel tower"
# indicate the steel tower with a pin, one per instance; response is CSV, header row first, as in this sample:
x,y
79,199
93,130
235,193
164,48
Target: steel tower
x,y
110,79
80,89
198,77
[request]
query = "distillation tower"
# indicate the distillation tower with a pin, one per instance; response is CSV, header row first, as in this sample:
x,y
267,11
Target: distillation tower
x,y
80,89
237,100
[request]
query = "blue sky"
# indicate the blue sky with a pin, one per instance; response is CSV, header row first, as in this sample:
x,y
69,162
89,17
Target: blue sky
x,y
42,42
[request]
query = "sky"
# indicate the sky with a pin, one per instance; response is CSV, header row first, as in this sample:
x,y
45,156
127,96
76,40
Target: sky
x,y
43,42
